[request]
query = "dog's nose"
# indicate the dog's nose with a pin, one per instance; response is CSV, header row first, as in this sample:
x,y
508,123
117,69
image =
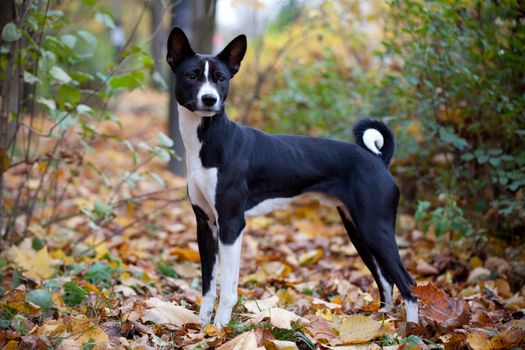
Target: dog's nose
x,y
209,100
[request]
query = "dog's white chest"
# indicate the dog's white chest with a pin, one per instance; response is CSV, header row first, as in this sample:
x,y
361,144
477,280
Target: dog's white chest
x,y
202,182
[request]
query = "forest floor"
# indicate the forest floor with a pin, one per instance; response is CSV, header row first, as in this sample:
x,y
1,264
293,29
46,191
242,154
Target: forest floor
x,y
134,282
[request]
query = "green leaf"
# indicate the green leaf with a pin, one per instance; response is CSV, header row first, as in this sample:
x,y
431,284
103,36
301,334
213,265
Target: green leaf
x,y
105,19
69,40
99,273
88,37
164,140
101,208
133,152
60,75
166,270
30,78
74,294
128,81
41,297
10,32
48,103
68,94
84,109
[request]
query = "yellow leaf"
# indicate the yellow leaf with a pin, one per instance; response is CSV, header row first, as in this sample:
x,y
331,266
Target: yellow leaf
x,y
357,329
478,341
82,330
50,328
16,299
11,345
280,345
35,266
311,257
187,254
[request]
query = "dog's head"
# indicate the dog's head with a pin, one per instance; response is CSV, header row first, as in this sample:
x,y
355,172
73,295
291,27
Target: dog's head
x,y
202,81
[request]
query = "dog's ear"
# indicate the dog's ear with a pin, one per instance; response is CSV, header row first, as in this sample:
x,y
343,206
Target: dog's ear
x,y
233,53
178,47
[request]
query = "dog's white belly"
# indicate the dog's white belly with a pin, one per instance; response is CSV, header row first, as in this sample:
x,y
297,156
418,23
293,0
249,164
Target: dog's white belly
x,y
269,205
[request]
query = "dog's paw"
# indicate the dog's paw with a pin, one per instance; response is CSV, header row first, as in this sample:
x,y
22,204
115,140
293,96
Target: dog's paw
x,y
222,318
205,313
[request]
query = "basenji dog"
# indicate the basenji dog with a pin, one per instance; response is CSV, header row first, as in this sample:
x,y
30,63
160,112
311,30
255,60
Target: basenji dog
x,y
235,171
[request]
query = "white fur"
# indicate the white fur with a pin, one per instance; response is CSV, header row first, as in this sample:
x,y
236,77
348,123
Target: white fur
x,y
230,260
207,89
387,287
202,182
412,311
373,140
209,298
268,206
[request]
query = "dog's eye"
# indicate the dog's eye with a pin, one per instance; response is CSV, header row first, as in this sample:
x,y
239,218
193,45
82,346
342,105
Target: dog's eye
x,y
191,76
221,79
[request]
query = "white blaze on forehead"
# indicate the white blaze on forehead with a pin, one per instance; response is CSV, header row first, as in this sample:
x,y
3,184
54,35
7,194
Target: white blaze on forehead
x,y
207,89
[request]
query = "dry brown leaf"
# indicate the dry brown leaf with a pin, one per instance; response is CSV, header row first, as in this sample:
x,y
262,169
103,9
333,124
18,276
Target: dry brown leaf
x,y
439,309
279,318
280,345
357,329
311,257
244,341
370,346
81,329
50,328
163,312
320,329
509,338
256,306
16,299
478,341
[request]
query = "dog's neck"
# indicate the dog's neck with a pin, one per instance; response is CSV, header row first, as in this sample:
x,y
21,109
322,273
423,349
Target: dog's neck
x,y
192,127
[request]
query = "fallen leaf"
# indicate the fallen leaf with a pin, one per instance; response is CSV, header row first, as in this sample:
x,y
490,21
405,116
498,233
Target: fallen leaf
x,y
357,329
163,312
370,346
244,341
34,265
311,257
444,312
255,306
509,338
82,330
280,345
320,329
50,328
279,318
188,254
478,341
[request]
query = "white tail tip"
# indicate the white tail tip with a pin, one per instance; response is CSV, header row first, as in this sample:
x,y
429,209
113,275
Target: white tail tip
x,y
373,140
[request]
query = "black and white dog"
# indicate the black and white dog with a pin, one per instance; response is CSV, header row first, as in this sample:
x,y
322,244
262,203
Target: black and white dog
x,y
235,171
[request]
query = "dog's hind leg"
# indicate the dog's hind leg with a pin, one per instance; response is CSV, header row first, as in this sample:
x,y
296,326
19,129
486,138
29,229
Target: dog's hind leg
x,y
384,285
374,219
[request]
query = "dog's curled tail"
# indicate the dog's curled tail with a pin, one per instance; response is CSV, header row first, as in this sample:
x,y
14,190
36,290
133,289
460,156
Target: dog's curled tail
x,y
375,137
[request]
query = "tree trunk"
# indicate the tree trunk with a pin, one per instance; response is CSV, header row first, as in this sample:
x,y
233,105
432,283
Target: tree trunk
x,y
157,40
197,19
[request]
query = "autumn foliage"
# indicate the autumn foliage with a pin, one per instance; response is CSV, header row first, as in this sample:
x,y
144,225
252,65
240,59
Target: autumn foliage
x,y
98,245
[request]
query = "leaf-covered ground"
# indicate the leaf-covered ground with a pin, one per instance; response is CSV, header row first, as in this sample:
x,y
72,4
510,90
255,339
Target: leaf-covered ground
x,y
132,281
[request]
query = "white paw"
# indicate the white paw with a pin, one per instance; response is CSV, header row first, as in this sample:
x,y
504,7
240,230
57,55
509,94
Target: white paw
x,y
205,312
222,318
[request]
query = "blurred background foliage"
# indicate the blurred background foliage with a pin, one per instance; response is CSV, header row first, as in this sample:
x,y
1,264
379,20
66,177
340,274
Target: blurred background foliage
x,y
447,75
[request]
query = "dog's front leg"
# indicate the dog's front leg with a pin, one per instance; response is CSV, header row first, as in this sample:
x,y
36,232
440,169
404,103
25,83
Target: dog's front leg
x,y
207,240
230,259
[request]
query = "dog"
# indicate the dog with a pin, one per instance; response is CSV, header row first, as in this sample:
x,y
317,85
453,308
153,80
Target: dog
x,y
235,172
